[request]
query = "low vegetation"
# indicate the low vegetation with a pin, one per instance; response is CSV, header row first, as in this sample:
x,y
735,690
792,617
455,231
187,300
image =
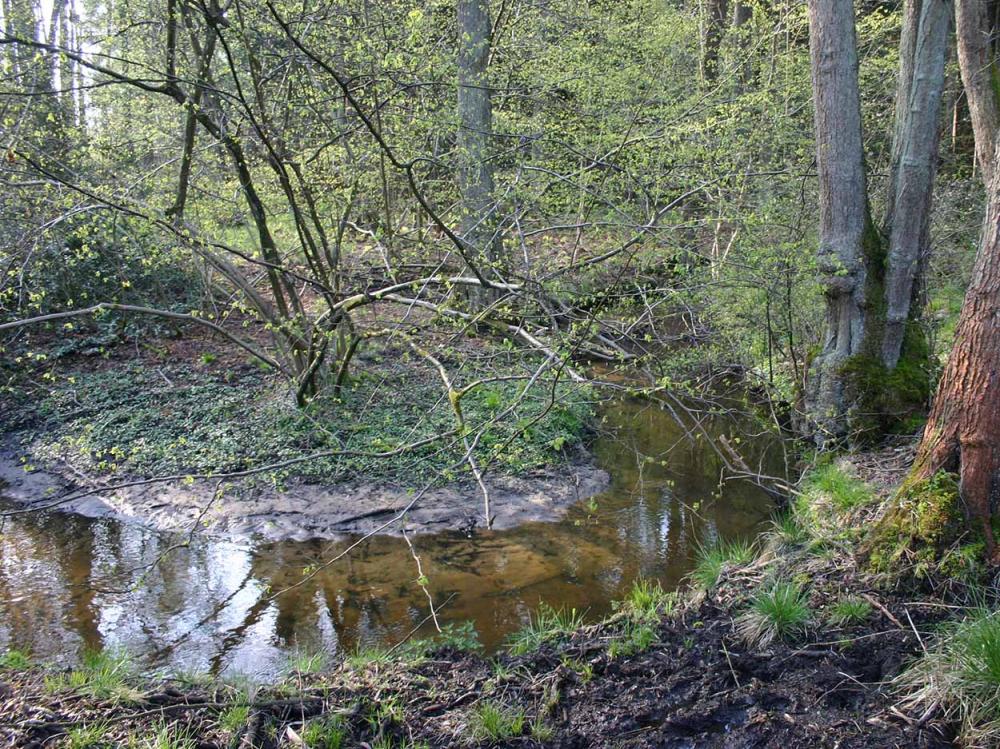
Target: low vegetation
x,y
781,611
713,559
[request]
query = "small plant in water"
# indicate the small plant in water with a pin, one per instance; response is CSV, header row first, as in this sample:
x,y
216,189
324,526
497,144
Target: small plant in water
x,y
779,612
547,626
849,610
712,559
458,636
495,721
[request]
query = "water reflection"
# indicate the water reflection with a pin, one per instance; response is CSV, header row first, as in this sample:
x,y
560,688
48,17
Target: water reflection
x,y
209,605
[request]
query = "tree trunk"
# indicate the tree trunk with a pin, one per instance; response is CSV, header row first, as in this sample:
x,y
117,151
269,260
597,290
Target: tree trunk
x,y
964,424
975,59
844,216
962,430
715,26
475,114
923,51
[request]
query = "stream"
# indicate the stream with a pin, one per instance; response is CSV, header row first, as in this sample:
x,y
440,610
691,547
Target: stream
x,y
69,583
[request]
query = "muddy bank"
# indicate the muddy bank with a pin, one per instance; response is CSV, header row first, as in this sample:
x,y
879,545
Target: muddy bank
x,y
302,511
695,686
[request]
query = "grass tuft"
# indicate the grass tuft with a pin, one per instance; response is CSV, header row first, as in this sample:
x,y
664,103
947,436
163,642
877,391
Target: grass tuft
x,y
713,559
495,721
547,626
361,658
844,490
87,736
327,732
104,674
788,530
305,662
849,610
647,601
15,660
779,612
961,674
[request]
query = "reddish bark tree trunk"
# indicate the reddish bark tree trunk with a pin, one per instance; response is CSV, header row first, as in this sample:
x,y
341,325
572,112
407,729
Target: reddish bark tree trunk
x,y
963,431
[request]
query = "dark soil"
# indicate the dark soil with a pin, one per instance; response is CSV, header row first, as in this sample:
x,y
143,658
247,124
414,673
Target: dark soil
x,y
696,686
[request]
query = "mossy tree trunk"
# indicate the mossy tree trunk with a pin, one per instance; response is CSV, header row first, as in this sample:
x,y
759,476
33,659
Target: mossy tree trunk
x,y
843,208
963,431
872,372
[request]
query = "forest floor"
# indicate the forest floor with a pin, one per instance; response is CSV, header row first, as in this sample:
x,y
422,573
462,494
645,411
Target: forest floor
x,y
665,670
184,432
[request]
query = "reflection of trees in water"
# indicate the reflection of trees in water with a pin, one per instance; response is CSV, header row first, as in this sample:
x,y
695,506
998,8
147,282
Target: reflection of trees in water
x,y
46,583
214,601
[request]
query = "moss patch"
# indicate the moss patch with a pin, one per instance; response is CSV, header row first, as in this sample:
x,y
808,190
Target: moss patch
x,y
889,401
923,522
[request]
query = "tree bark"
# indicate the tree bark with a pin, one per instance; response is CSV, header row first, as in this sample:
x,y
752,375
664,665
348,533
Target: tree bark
x,y
475,114
962,429
844,216
975,59
923,50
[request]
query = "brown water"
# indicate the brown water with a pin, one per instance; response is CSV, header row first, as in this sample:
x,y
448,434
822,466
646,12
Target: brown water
x,y
68,583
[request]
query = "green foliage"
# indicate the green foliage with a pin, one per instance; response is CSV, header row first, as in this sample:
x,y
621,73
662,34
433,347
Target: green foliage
x,y
496,721
362,658
713,559
646,601
308,662
788,530
778,612
848,611
165,736
889,401
636,637
461,636
129,421
233,718
104,674
546,627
